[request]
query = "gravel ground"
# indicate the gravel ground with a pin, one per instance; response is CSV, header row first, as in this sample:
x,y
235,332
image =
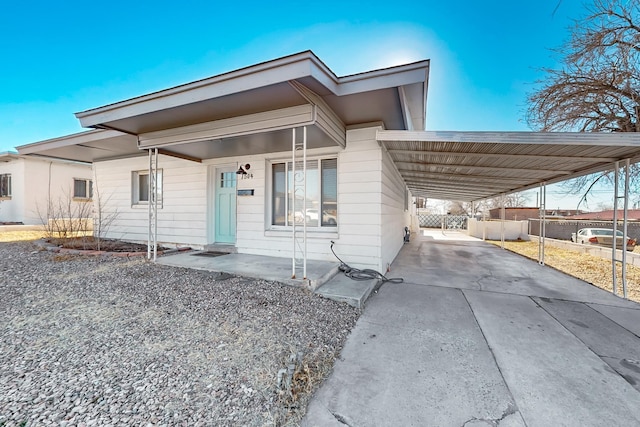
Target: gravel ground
x,y
109,341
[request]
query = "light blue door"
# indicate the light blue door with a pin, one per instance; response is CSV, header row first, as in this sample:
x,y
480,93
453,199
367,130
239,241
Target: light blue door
x,y
225,206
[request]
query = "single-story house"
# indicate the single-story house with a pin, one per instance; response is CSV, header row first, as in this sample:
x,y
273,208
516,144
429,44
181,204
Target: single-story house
x,y
29,184
283,158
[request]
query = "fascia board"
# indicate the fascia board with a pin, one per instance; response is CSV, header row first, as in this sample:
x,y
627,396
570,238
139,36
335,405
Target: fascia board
x,y
383,79
621,139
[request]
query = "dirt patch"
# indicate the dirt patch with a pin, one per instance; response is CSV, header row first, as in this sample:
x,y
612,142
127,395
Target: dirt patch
x,y
589,268
90,243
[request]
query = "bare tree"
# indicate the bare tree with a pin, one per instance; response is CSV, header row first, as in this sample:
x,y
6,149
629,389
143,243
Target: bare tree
x,y
597,89
514,200
102,218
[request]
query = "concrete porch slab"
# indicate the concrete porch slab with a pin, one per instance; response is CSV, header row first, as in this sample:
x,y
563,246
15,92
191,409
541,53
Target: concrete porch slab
x,y
255,266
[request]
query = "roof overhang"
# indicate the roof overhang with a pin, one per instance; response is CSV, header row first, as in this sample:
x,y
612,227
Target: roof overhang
x,y
395,96
249,111
470,166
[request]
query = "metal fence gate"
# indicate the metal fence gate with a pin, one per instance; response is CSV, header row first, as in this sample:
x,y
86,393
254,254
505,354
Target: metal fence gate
x,y
449,222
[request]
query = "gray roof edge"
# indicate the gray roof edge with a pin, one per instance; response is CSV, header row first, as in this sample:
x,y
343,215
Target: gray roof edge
x,y
566,138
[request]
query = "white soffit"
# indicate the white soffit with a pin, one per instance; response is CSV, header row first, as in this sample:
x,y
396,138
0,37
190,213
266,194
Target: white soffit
x,y
470,166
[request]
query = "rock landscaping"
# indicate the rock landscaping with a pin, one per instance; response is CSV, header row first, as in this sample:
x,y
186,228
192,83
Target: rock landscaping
x,y
96,340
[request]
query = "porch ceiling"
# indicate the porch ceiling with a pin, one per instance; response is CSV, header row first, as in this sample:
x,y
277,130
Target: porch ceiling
x,y
99,144
470,166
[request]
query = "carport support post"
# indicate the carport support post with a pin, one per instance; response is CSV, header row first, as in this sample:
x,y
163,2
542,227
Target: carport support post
x,y
152,232
502,215
614,251
542,222
625,237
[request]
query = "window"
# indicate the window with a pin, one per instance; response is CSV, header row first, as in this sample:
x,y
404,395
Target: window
x,y
140,187
5,185
321,194
82,189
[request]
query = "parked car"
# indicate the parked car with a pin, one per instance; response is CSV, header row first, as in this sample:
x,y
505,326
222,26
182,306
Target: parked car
x,y
601,237
327,218
312,217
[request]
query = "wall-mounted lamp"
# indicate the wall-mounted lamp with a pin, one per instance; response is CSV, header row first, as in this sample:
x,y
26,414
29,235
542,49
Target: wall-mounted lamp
x,y
243,170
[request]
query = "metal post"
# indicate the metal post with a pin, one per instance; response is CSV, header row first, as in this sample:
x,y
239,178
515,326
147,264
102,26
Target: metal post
x,y
542,232
152,232
155,205
614,274
299,192
624,228
304,202
293,201
149,213
502,216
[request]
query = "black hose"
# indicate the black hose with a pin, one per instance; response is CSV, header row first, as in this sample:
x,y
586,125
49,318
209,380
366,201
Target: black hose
x,y
366,274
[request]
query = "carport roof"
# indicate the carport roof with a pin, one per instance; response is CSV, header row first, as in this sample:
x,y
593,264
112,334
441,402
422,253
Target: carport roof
x,y
470,166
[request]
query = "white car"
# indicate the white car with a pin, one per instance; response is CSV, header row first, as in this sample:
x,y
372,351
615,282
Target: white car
x,y
601,237
311,217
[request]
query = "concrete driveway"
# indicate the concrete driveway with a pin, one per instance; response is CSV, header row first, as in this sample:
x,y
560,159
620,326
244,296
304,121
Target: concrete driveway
x,y
478,336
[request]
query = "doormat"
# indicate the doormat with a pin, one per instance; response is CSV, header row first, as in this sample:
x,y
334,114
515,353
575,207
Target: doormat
x,y
210,254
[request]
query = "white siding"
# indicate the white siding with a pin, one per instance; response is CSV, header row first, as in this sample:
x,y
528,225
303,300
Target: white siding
x,y
371,215
34,182
182,217
47,180
394,215
359,188
12,209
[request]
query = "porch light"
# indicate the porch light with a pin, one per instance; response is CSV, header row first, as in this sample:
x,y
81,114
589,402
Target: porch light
x,y
243,170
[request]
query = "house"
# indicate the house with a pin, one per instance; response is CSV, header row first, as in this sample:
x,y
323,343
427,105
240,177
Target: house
x,y
256,121
283,158
29,184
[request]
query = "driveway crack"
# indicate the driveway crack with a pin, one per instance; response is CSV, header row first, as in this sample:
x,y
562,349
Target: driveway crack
x,y
494,422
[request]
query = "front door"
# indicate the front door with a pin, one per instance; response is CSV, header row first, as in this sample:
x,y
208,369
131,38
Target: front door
x,y
225,205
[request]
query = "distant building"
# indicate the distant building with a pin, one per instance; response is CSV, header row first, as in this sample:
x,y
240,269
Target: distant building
x,y
29,183
607,215
521,214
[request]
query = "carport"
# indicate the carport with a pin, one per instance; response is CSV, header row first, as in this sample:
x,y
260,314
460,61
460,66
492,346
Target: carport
x,y
473,166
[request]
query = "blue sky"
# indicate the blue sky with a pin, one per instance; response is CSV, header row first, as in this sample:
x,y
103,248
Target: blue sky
x,y
63,57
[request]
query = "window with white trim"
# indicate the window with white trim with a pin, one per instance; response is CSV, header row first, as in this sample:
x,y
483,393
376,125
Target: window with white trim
x,y
140,187
5,185
321,209
82,188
